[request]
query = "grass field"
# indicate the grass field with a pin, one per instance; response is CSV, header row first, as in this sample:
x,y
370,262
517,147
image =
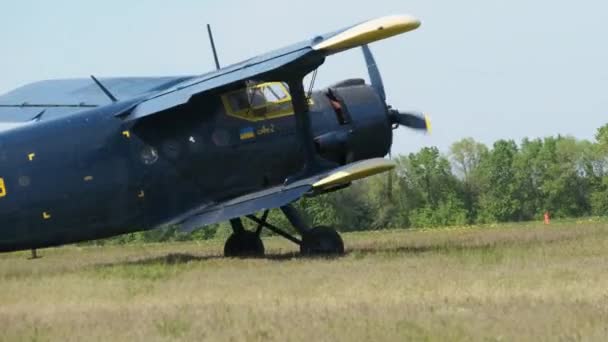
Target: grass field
x,y
510,282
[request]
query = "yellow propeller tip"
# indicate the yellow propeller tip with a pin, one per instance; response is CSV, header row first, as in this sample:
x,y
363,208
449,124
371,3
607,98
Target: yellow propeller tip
x,y
429,127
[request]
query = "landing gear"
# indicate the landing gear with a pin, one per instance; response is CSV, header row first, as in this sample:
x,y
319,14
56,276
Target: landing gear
x,y
34,254
322,240
243,243
318,241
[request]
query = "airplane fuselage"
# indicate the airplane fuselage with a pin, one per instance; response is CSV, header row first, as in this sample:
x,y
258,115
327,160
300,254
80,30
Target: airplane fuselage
x,y
92,175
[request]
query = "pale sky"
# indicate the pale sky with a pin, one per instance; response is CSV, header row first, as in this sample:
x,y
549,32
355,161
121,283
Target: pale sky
x,y
486,69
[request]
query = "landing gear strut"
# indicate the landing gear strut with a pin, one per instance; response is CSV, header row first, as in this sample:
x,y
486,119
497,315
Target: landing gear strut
x,y
34,254
315,241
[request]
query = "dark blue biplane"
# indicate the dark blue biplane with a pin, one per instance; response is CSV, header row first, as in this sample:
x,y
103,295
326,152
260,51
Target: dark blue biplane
x,y
84,159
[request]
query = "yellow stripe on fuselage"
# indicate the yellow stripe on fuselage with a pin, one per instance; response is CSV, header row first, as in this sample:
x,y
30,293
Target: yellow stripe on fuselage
x,y
248,135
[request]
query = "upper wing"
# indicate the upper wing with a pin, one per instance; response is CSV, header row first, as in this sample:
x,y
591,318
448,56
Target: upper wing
x,y
367,32
54,98
280,195
279,64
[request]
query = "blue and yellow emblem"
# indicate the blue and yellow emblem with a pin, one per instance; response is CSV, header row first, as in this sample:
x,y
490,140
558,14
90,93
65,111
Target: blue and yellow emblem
x,y
247,133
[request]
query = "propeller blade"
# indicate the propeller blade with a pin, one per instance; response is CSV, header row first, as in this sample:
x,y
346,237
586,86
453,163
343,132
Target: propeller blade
x,y
374,74
412,120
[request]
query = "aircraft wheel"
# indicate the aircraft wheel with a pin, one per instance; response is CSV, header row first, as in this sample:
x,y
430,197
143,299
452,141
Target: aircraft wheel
x,y
322,240
244,244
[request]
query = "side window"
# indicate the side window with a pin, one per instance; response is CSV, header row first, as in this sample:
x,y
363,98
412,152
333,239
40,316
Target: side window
x,y
260,102
274,92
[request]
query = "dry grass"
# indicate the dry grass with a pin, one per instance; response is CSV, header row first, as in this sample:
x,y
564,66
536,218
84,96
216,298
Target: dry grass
x,y
519,282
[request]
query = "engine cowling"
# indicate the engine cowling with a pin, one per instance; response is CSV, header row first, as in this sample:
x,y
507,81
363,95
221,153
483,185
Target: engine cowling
x,y
365,126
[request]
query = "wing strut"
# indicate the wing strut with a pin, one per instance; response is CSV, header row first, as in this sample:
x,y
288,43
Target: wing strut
x,y
313,163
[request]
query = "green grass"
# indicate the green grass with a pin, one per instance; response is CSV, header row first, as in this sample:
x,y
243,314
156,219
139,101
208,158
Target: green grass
x,y
504,282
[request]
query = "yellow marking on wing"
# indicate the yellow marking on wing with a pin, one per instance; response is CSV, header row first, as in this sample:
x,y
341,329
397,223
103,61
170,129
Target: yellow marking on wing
x,y
88,178
355,171
31,156
141,194
368,32
127,134
2,188
46,216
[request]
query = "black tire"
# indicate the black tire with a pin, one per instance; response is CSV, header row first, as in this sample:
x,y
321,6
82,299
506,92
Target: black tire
x,y
244,244
321,241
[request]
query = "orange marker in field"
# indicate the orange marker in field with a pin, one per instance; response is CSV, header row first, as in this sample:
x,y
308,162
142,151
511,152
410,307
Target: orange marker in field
x,y
547,218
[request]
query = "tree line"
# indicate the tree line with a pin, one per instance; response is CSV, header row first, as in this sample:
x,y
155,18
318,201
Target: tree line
x,y
474,183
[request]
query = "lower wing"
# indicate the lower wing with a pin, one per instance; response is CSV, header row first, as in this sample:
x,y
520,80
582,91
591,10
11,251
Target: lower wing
x,y
279,196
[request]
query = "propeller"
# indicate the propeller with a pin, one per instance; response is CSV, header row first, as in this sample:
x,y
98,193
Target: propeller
x,y
414,120
374,73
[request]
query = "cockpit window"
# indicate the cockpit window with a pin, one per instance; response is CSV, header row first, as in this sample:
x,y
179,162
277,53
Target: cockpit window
x,y
275,92
259,102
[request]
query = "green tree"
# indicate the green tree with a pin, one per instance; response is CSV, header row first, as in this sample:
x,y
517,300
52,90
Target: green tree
x,y
530,177
347,210
466,156
433,195
596,169
500,190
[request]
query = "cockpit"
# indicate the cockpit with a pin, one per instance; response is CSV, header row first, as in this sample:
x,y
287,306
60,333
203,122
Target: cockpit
x,y
259,102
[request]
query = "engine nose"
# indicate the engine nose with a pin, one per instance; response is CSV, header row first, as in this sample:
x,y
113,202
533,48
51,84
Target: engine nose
x,y
370,134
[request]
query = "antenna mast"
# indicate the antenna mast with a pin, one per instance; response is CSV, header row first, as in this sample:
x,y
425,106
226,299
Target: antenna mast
x,y
217,61
104,89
